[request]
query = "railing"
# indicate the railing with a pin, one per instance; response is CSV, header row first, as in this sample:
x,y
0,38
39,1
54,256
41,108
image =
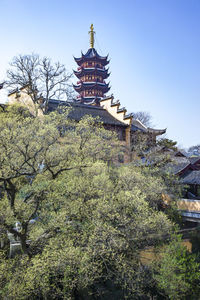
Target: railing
x,y
190,209
191,215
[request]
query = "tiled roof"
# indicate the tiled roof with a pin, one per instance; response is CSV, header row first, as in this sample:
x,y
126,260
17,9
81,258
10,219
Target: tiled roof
x,y
177,168
135,128
192,177
137,125
92,85
80,110
103,72
184,166
92,54
194,159
181,153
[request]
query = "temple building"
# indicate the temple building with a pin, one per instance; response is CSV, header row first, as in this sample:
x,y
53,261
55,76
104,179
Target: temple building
x,y
91,73
92,100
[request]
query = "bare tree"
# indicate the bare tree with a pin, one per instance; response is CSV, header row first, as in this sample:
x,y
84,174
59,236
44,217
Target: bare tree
x,y
40,79
143,117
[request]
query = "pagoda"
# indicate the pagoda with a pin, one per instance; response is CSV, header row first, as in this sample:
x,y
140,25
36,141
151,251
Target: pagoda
x,y
91,74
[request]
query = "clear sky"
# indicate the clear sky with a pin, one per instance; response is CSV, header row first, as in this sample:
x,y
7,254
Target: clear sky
x,y
154,47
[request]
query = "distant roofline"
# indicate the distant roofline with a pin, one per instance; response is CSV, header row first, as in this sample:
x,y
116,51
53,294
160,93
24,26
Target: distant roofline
x,y
74,104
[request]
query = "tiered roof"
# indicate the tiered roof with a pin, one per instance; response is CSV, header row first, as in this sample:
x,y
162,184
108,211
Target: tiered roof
x,y
92,55
91,74
92,71
91,86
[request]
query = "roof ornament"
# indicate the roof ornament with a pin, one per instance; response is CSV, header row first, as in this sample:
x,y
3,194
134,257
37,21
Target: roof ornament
x,y
91,32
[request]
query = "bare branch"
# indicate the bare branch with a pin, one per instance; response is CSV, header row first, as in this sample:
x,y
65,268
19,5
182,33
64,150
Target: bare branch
x,y
39,78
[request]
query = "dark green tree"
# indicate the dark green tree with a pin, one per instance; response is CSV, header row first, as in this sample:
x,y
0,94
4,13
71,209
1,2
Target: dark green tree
x,y
177,272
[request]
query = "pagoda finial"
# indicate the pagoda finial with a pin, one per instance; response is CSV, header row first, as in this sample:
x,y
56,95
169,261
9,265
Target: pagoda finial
x,y
91,32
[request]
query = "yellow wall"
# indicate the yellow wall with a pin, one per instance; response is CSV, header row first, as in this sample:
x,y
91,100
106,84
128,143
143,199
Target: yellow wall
x,y
113,110
106,104
189,205
25,100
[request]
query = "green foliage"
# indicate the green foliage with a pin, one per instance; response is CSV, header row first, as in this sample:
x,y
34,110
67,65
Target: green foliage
x,y
92,217
168,144
178,272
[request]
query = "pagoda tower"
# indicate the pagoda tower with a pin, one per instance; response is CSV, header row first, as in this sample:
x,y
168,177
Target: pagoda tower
x,y
91,74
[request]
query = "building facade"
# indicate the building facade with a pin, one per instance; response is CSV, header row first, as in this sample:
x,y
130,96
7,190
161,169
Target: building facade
x,y
92,100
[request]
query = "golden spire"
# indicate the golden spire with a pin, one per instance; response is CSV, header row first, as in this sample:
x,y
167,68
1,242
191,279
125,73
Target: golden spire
x,y
91,32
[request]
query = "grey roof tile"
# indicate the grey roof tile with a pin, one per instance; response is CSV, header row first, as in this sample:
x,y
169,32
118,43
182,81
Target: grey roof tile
x,y
194,159
176,168
192,177
80,110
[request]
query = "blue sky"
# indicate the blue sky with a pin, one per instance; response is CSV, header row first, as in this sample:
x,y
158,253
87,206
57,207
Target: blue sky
x,y
154,47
